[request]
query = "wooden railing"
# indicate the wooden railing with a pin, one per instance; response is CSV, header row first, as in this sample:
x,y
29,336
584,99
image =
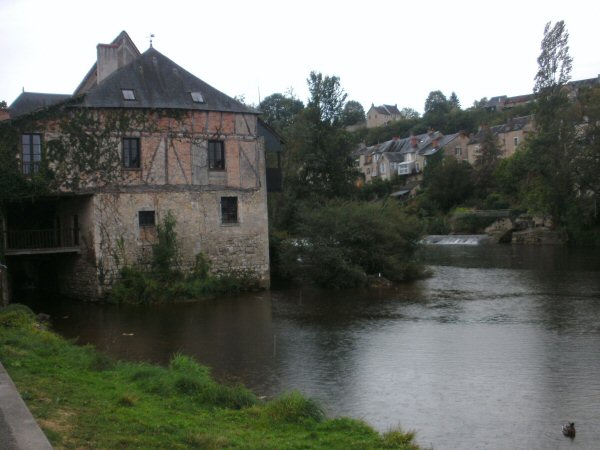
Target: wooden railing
x,y
41,239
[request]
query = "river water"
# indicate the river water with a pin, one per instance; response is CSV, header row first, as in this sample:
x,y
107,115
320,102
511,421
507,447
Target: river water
x,y
496,350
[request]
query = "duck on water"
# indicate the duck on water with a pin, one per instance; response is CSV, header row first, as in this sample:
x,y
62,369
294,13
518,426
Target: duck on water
x,y
568,429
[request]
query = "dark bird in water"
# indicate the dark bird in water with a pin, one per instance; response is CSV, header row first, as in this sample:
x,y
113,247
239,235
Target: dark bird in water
x,y
569,429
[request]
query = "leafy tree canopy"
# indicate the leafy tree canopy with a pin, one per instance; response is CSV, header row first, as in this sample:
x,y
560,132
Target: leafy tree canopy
x,y
451,182
326,98
436,102
554,62
409,113
353,113
454,101
345,242
280,110
487,161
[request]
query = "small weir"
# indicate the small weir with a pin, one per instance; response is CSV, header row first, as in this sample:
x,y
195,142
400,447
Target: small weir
x,y
456,239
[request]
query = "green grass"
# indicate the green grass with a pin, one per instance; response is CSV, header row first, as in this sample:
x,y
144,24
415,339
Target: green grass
x,y
83,399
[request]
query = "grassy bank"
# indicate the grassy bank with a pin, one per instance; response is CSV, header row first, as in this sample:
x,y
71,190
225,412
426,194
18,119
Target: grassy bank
x,y
83,399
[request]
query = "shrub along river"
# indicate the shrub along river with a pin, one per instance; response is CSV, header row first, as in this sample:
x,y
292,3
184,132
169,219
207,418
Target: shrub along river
x,y
496,350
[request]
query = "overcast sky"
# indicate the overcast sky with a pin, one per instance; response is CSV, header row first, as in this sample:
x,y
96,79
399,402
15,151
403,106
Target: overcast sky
x,y
392,52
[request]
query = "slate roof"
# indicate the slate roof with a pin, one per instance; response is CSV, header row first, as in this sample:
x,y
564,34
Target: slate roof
x,y
395,145
517,99
29,102
274,142
395,157
514,124
405,145
442,141
388,110
478,137
589,82
158,82
496,102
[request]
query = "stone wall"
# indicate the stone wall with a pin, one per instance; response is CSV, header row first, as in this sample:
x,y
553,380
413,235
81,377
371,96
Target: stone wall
x,y
240,246
77,276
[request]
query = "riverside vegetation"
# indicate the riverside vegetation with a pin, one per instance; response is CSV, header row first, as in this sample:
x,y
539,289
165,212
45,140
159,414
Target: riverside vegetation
x,y
554,173
83,399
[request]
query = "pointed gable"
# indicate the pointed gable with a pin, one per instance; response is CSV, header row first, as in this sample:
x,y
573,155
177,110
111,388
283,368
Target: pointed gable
x,y
123,51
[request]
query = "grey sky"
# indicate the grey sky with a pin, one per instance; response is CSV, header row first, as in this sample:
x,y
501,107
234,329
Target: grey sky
x,y
384,51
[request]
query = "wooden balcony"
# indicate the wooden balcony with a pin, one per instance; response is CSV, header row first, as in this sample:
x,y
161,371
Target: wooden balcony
x,y
37,242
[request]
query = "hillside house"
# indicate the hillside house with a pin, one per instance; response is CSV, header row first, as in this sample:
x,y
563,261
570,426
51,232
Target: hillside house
x,y
382,115
140,138
502,102
510,136
408,156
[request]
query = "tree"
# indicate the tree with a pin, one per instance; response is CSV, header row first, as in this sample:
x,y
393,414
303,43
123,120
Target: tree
x,y
487,161
551,147
454,101
353,113
436,102
327,98
586,162
320,163
345,242
450,183
478,104
409,113
554,62
280,110
437,109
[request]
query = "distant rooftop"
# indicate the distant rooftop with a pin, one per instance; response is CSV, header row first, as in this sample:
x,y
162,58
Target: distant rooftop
x,y
29,102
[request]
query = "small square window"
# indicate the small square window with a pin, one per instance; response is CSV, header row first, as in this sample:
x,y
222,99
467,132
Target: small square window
x,y
146,219
128,94
458,151
216,155
131,153
229,210
197,97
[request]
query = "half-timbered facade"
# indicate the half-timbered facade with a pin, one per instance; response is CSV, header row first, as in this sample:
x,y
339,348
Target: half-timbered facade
x,y
140,138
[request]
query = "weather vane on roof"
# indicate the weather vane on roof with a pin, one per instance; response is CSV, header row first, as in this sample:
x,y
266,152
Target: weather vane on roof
x,y
151,37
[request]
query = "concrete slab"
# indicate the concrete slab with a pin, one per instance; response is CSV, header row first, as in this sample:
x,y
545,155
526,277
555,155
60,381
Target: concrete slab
x,y
18,428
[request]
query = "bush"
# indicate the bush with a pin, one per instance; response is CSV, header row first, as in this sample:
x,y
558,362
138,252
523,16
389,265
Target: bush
x,y
470,223
165,253
16,316
435,225
194,380
18,307
341,243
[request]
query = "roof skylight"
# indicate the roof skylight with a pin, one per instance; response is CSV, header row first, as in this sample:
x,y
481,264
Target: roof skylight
x,y
128,94
197,97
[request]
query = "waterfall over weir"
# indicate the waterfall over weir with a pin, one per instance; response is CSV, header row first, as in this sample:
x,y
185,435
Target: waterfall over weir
x,y
456,239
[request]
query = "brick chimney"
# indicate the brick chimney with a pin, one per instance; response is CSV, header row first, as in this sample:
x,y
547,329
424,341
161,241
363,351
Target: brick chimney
x,y
108,60
413,141
115,55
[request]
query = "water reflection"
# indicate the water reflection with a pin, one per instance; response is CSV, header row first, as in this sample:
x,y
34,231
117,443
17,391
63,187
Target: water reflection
x,y
500,339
